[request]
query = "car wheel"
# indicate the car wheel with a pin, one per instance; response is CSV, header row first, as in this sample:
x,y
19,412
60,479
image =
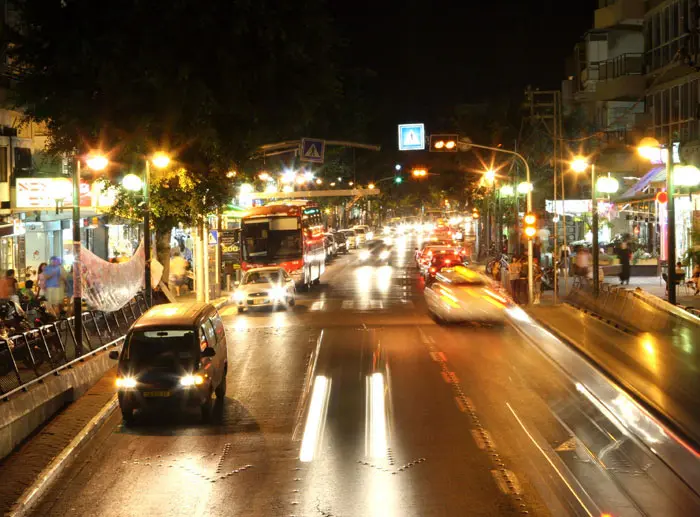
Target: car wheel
x,y
292,301
128,416
221,388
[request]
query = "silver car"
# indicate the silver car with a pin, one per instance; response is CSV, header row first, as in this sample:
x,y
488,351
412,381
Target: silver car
x,y
265,287
461,294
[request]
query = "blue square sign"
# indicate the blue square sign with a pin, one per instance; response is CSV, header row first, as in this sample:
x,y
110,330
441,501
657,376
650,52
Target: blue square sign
x,y
411,137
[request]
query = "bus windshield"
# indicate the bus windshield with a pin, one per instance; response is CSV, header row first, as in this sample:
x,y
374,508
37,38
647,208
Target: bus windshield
x,y
275,238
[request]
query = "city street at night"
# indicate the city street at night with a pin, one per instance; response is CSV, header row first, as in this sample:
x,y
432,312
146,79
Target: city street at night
x,y
356,403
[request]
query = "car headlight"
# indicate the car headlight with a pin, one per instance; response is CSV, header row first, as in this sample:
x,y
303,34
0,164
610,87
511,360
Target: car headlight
x,y
365,255
126,382
191,380
278,293
384,254
239,296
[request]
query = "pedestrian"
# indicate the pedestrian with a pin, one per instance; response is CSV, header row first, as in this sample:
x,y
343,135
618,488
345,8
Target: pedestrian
x,y
623,254
537,277
8,287
41,281
55,281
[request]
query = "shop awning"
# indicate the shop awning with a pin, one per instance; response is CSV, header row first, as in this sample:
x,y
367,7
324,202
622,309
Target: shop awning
x,y
654,175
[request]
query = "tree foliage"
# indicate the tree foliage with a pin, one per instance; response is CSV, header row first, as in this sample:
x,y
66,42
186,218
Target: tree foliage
x,y
211,81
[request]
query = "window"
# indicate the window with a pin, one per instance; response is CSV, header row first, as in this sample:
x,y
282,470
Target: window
x,y
685,101
209,331
219,329
165,348
3,163
675,103
203,342
23,162
665,106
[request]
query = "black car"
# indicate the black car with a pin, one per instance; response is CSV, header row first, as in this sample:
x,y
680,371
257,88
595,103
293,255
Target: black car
x,y
174,357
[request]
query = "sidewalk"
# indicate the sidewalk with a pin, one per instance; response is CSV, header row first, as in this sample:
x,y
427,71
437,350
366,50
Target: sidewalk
x,y
651,284
22,468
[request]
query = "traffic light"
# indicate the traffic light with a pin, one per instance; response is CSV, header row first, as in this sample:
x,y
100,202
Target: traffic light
x,y
398,180
443,143
419,173
475,214
530,221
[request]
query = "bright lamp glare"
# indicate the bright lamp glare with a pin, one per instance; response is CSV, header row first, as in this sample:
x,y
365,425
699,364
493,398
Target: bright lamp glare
x,y
490,176
579,164
686,175
607,185
160,160
97,162
507,191
524,187
132,182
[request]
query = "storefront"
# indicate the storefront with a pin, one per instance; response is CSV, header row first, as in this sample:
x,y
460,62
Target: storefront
x,y
12,247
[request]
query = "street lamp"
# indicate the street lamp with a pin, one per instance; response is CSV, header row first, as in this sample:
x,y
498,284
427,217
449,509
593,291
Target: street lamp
x,y
370,186
507,191
397,167
466,144
96,162
490,176
134,183
606,185
683,175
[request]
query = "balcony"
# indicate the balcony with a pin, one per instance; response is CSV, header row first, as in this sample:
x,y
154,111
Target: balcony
x,y
621,78
619,14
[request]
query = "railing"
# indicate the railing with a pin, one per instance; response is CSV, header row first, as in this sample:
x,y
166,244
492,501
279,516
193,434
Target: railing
x,y
626,64
30,357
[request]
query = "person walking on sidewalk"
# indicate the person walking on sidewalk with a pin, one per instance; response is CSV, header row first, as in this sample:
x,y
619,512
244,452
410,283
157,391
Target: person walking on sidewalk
x,y
623,254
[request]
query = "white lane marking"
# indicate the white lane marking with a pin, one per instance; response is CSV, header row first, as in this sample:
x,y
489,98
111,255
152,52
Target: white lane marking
x,y
318,306
551,463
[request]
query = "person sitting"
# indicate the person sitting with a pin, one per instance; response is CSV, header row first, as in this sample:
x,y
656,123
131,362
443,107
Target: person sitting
x,y
26,294
694,281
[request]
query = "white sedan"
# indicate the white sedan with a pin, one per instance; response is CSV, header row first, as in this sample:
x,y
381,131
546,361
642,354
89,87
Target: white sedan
x,y
265,287
460,294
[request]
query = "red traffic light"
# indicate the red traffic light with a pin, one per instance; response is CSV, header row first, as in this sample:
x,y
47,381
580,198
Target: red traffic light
x,y
662,197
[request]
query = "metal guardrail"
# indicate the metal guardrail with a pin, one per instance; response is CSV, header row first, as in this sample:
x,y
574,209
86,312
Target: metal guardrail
x,y
626,64
30,357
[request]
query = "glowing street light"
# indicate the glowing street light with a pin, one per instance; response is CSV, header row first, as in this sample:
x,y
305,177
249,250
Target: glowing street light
x,y
287,189
370,186
319,181
160,160
490,176
525,187
507,191
579,164
231,174
96,162
264,176
132,182
397,167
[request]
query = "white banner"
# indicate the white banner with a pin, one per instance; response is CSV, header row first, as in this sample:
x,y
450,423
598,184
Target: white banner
x,y
107,286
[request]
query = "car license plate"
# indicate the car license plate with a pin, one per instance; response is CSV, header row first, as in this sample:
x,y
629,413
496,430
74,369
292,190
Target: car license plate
x,y
156,394
258,302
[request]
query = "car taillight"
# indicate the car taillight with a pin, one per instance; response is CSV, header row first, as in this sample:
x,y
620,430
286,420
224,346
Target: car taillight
x,y
433,270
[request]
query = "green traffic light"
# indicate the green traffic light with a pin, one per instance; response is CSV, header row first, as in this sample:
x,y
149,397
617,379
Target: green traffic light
x,y
398,179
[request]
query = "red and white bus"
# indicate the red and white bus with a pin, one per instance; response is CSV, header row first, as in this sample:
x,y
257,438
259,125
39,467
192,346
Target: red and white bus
x,y
288,234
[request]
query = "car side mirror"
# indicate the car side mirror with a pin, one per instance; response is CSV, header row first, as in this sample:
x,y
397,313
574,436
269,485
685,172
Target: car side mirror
x,y
208,352
114,355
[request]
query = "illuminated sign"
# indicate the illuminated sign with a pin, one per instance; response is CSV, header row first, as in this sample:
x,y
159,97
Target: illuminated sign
x,y
46,193
411,137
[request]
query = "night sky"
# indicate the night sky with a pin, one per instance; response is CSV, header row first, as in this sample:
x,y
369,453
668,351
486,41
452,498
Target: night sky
x,y
430,56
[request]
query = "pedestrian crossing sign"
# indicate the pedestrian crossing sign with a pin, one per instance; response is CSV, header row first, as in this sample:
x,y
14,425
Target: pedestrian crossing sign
x,y
411,137
312,150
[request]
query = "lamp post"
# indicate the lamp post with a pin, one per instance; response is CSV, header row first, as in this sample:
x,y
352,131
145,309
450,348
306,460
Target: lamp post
x,y
95,162
606,185
133,182
465,144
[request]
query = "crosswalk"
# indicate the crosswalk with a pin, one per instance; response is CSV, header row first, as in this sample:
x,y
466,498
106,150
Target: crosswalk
x,y
361,304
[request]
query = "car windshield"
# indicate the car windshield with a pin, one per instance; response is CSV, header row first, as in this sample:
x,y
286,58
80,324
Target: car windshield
x,y
360,230
166,348
263,277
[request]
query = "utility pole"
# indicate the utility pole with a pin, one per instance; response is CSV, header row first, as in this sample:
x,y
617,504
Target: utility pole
x,y
545,106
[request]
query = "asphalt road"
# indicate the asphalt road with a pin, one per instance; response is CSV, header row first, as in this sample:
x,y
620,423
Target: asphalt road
x,y
355,403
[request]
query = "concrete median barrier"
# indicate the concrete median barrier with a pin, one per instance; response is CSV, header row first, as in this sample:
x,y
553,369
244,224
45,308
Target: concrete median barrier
x,y
25,412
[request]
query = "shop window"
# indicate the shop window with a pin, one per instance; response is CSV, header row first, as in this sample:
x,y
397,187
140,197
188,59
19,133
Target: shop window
x,y
23,162
3,163
685,101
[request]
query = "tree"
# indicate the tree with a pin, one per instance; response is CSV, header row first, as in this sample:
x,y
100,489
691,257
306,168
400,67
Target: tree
x,y
208,82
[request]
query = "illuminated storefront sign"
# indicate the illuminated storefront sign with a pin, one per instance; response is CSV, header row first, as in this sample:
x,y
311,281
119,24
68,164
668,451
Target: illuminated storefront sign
x,y
47,193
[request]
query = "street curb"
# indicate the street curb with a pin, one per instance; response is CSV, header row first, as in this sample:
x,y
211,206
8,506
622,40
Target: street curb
x,y
66,457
